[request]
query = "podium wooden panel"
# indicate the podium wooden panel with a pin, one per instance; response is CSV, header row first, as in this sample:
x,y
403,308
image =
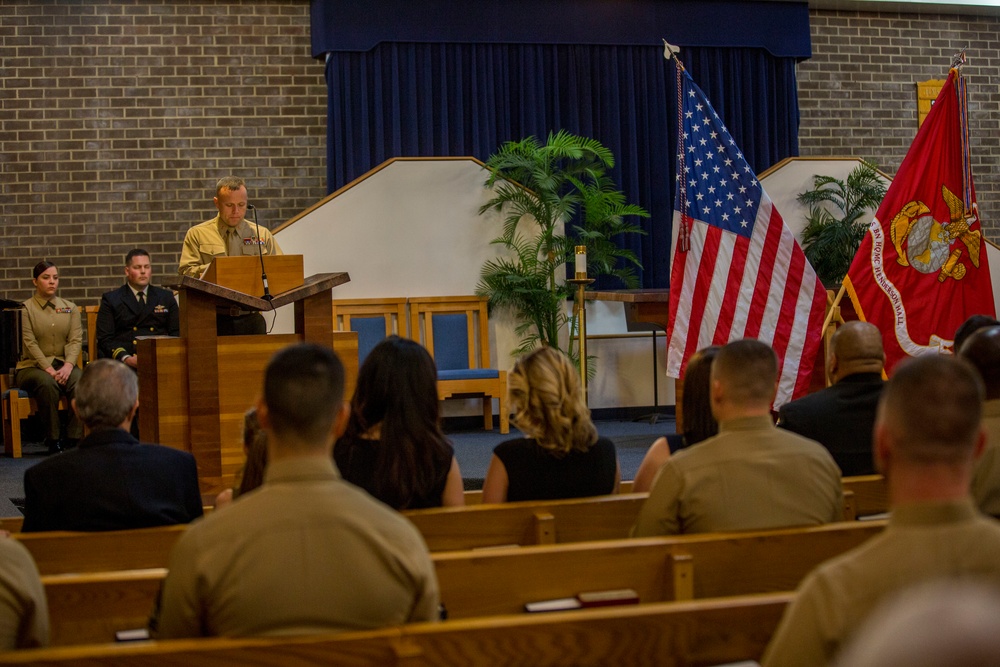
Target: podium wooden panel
x,y
195,389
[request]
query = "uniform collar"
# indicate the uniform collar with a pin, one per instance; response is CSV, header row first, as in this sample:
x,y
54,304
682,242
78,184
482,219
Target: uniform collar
x,y
747,424
301,469
224,228
991,408
42,303
933,513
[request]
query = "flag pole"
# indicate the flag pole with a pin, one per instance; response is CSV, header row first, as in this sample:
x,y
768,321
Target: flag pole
x,y
832,307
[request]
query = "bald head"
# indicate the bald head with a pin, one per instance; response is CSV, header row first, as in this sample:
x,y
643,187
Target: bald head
x,y
982,350
930,411
856,347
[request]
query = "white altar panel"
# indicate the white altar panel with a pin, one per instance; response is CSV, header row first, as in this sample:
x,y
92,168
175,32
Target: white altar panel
x,y
412,228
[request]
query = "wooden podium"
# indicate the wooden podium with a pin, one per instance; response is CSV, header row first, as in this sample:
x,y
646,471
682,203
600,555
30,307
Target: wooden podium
x,y
193,390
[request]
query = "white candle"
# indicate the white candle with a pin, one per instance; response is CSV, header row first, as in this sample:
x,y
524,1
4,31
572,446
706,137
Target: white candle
x,y
581,262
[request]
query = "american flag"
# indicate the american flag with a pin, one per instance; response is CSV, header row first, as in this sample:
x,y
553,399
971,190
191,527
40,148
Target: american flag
x,y
738,271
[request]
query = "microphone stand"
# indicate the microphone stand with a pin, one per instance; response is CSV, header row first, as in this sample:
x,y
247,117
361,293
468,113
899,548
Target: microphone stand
x,y
260,252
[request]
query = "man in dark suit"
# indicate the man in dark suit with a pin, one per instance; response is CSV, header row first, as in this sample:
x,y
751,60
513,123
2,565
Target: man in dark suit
x,y
841,417
110,481
135,309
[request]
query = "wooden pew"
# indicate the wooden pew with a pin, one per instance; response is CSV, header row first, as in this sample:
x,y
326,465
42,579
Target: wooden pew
x,y
478,583
534,522
871,496
529,522
706,632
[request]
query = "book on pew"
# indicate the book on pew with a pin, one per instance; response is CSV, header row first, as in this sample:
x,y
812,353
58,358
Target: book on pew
x,y
585,600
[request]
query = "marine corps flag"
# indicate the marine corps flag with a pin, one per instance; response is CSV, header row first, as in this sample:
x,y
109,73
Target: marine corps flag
x,y
921,269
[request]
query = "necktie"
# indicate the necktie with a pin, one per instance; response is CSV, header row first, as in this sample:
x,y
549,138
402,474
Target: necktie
x,y
142,298
234,243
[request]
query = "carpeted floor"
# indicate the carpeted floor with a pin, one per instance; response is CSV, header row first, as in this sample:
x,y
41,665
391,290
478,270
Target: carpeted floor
x,y
473,449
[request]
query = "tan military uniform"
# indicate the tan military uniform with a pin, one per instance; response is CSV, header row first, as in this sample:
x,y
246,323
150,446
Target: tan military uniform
x,y
922,542
214,238
51,335
751,475
305,553
986,475
24,612
51,330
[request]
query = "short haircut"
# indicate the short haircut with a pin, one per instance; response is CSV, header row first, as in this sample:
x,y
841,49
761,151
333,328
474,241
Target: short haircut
x,y
229,183
858,342
932,406
303,391
135,252
41,268
982,350
748,369
972,324
106,393
548,402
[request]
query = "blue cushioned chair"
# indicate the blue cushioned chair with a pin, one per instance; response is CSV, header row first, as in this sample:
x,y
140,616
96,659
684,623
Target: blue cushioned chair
x,y
455,329
372,319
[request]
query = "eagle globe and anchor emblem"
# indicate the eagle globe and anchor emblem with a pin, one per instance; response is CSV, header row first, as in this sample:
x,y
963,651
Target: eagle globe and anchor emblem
x,y
929,243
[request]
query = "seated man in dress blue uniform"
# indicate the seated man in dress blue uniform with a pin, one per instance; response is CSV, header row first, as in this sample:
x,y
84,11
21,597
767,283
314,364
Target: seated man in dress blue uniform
x,y
842,416
135,309
110,481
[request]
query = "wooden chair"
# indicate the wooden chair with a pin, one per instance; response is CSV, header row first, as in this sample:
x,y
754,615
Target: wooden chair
x,y
372,319
455,329
15,404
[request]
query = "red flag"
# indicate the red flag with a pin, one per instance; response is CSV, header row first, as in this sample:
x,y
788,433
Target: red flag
x,y
921,269
738,271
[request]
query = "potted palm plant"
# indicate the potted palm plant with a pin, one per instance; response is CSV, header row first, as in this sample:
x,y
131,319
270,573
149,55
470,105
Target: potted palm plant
x,y
835,226
539,190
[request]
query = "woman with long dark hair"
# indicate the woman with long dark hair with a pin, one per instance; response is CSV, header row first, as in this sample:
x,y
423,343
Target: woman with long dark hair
x,y
52,338
394,447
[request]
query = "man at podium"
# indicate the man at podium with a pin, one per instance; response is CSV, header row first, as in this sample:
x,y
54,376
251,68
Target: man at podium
x,y
228,235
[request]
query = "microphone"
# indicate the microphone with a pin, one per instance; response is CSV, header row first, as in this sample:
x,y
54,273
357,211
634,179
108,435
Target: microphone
x,y
260,252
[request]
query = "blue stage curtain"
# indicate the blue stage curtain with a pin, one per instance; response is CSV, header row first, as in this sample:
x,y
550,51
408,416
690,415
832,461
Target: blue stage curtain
x,y
457,99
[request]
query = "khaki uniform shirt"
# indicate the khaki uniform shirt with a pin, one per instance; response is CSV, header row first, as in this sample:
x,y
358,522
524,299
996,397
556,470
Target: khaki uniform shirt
x,y
750,476
50,330
24,612
922,542
986,475
209,240
305,553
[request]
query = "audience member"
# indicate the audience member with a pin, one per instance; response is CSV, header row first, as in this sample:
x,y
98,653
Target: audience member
x,y
137,308
751,475
251,475
394,447
306,552
842,416
228,235
940,624
927,435
972,324
52,340
982,350
24,611
561,455
696,418
111,481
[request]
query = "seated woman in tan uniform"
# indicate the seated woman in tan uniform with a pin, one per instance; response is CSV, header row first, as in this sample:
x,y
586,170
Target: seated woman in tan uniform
x,y
561,456
52,337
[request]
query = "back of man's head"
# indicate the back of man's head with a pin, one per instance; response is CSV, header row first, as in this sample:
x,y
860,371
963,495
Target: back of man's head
x,y
105,395
982,350
931,407
856,347
304,394
970,326
746,372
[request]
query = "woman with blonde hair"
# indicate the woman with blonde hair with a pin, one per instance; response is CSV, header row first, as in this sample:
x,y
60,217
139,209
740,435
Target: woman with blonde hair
x,y
561,455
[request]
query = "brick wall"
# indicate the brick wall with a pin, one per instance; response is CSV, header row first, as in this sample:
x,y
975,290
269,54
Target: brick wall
x,y
118,117
857,93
